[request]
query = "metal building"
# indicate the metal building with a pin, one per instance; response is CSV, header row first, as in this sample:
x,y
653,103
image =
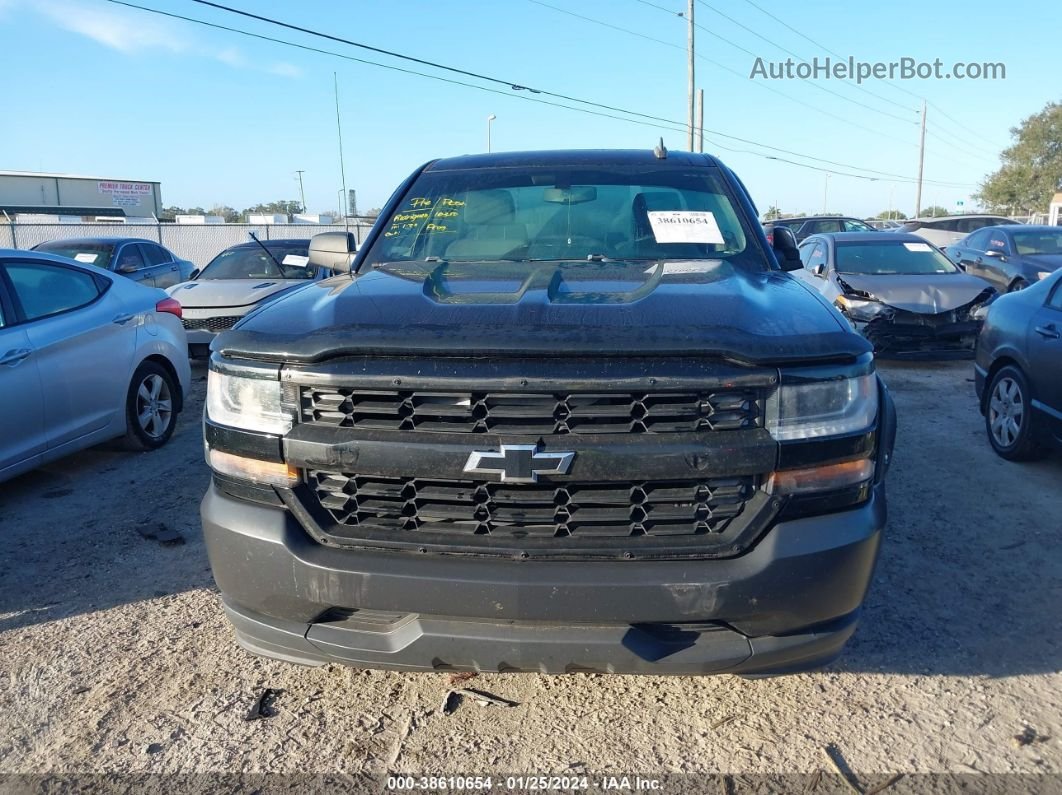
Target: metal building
x,y
84,198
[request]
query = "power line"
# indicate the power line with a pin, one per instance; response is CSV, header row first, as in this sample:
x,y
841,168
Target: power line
x,y
813,84
744,77
656,122
894,85
995,148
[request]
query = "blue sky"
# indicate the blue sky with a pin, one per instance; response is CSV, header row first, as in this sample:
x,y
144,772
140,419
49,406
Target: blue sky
x,y
218,118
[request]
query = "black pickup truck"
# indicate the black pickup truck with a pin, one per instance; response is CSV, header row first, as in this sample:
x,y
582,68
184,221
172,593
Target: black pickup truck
x,y
561,411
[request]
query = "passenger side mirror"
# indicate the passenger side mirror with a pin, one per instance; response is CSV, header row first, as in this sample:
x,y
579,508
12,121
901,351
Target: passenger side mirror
x,y
819,270
127,269
193,274
785,248
333,251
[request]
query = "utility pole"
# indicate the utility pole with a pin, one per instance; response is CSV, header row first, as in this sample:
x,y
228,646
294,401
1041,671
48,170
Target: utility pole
x,y
826,194
921,162
302,193
342,166
690,75
700,119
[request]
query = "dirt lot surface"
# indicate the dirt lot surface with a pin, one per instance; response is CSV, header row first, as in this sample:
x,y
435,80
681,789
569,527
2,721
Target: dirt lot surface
x,y
115,656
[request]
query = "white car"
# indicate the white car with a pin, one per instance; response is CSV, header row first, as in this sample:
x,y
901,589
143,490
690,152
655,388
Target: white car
x,y
85,356
239,279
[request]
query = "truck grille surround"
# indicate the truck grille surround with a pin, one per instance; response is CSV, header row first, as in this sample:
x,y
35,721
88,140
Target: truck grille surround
x,y
512,413
695,500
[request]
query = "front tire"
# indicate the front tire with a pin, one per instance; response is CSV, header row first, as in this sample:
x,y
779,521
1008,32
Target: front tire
x,y
150,410
1008,416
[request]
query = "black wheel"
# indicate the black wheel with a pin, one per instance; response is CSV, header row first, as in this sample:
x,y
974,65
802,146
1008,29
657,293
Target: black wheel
x,y
1017,284
1008,416
149,408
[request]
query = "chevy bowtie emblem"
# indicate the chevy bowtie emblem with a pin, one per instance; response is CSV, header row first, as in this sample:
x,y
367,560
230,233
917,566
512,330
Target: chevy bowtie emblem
x,y
519,463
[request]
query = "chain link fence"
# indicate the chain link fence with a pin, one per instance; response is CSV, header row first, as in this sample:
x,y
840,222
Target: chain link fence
x,y
198,243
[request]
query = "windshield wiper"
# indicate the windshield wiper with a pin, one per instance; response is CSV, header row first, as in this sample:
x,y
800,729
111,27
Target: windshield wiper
x,y
269,253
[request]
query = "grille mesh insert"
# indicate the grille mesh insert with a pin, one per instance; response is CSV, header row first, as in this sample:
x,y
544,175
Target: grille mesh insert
x,y
611,509
222,323
537,413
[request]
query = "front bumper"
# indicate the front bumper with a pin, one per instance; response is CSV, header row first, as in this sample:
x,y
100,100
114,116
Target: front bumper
x,y
788,604
908,335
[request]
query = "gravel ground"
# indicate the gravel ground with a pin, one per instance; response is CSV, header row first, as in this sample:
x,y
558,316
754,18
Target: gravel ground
x,y
115,657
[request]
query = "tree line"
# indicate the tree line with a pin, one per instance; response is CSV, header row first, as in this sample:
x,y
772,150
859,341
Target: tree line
x,y
231,215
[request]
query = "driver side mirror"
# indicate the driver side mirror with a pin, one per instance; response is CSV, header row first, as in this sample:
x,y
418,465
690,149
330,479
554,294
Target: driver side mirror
x,y
785,248
333,251
193,274
127,269
819,270
996,253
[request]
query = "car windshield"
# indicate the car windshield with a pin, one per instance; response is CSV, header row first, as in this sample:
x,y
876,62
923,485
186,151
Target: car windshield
x,y
1041,242
98,254
565,213
891,258
252,262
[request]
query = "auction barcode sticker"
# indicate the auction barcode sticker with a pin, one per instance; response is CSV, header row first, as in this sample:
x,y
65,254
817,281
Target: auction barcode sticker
x,y
685,226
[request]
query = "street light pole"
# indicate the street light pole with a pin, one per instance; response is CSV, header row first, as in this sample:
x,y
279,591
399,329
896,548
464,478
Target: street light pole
x,y
490,119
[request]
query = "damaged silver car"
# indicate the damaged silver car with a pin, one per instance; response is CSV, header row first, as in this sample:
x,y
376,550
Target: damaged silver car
x,y
897,290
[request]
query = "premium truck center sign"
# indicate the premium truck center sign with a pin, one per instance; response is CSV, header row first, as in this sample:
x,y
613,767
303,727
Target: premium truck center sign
x,y
125,194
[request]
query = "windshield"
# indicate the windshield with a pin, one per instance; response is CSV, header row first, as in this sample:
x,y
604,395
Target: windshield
x,y
1044,242
566,213
251,262
889,258
98,254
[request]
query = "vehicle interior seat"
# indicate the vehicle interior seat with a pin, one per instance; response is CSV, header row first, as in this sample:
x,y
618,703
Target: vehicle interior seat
x,y
490,228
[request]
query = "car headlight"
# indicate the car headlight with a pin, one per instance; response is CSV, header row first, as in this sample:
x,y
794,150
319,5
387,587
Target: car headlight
x,y
253,404
860,308
823,408
1043,274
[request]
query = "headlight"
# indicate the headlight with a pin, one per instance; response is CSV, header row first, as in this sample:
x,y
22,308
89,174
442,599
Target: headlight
x,y
1043,274
253,404
860,308
823,408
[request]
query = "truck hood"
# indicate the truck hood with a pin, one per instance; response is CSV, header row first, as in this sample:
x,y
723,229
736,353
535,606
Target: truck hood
x,y
697,307
210,293
927,295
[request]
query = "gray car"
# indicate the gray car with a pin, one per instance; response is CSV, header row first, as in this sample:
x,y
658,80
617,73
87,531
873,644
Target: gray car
x,y
898,291
137,259
239,279
85,356
1018,377
1011,257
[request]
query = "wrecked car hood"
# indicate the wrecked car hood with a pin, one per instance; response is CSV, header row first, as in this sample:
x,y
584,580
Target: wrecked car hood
x,y
926,294
210,293
699,307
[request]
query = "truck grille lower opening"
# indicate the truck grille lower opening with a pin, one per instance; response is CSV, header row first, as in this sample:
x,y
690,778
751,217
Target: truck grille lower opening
x,y
529,510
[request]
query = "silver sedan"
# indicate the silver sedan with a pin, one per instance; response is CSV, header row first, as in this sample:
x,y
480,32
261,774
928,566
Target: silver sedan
x,y
85,356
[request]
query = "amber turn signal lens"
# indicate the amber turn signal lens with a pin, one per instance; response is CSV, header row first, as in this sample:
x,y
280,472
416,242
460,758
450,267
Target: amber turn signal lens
x,y
268,472
820,478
